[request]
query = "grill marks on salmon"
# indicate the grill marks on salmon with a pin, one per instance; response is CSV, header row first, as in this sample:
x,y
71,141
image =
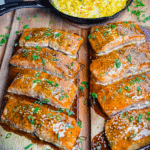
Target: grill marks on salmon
x,y
60,40
43,59
49,88
51,126
129,93
129,60
129,130
112,36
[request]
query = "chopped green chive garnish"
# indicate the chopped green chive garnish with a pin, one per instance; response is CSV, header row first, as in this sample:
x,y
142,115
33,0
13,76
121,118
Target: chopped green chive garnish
x,y
37,74
118,63
127,88
36,110
70,112
30,118
28,146
126,22
148,119
27,37
37,81
85,83
7,27
106,33
58,34
139,90
35,57
48,34
58,136
139,118
69,126
51,22
113,26
45,101
81,88
17,32
128,96
120,90
82,138
79,124
94,95
58,117
50,115
79,39
18,18
143,76
111,143
43,61
25,26
148,113
131,118
96,30
72,63
132,25
90,36
124,114
132,136
37,20
129,58
8,135
35,16
54,59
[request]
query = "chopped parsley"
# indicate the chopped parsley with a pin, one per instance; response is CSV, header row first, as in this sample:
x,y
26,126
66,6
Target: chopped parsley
x,y
79,124
35,16
96,30
138,3
69,126
58,117
85,83
139,118
120,90
30,118
17,32
72,63
81,88
69,112
129,58
94,95
36,109
148,113
113,26
8,135
28,146
50,115
118,63
54,59
148,119
27,37
90,36
124,114
7,27
106,33
26,26
126,22
18,18
45,101
37,81
128,96
35,57
139,90
58,136
37,74
143,76
58,34
131,118
79,39
43,61
127,88
132,136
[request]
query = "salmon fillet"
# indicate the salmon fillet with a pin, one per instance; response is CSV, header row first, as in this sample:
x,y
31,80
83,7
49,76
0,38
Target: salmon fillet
x,y
49,88
129,93
48,125
43,59
60,40
129,60
112,36
129,130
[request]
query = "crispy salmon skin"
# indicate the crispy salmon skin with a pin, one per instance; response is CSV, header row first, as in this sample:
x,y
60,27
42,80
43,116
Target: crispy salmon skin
x,y
129,60
60,40
48,125
129,130
44,59
49,88
129,93
112,36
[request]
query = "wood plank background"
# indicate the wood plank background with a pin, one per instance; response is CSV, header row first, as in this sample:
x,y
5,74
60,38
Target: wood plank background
x,y
92,122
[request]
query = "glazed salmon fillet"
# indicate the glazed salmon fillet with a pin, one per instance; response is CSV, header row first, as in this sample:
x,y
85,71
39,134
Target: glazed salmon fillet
x,y
65,42
43,59
48,125
52,89
129,130
129,93
129,60
112,36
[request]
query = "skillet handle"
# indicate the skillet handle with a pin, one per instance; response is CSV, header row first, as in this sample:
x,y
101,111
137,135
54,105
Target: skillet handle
x,y
18,5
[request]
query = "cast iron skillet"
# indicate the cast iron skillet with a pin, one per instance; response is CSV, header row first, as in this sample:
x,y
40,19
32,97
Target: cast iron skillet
x,y
48,4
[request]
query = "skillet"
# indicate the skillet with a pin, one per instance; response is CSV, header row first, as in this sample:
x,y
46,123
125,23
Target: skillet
x,y
48,4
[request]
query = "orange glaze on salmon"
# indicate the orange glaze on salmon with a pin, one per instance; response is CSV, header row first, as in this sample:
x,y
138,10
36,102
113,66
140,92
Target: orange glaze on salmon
x,y
129,93
112,36
129,130
60,40
49,125
49,88
129,60
43,59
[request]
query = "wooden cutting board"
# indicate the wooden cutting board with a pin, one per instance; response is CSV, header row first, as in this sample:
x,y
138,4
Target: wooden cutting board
x,y
92,120
45,18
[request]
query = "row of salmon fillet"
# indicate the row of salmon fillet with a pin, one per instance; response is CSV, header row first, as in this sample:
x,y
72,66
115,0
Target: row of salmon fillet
x,y
47,76
120,67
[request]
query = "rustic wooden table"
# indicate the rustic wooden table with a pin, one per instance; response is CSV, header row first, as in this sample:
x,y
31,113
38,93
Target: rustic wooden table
x,y
92,123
